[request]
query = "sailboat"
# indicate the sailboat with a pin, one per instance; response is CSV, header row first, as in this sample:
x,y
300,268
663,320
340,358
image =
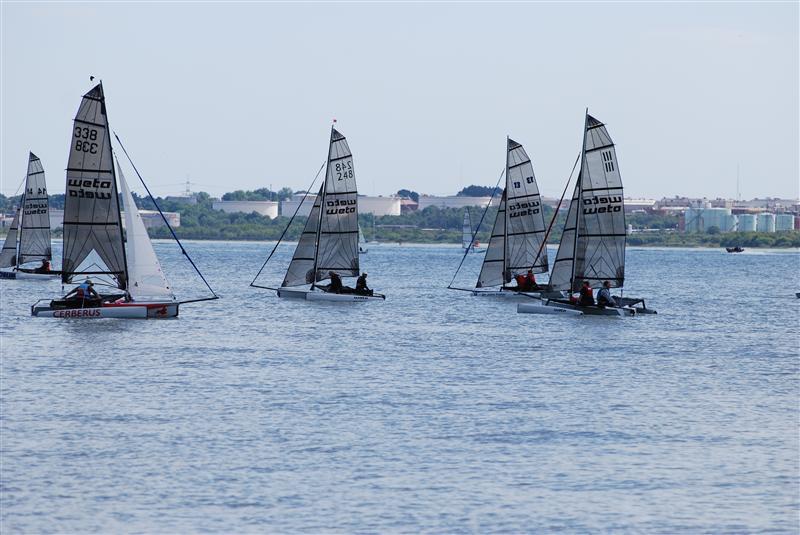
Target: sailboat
x,y
93,232
329,242
362,242
468,243
28,239
592,245
517,241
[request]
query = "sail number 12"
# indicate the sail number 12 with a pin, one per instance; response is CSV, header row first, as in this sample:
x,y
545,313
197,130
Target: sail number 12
x,y
85,140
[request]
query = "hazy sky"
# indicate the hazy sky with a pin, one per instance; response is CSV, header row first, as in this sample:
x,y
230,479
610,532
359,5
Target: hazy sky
x,y
240,96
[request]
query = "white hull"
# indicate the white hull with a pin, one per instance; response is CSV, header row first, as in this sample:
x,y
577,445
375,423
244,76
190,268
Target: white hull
x,y
538,308
506,293
124,311
23,275
593,310
318,295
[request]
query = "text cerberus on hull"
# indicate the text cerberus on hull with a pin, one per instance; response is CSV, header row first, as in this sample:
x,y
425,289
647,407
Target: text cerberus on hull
x,y
93,239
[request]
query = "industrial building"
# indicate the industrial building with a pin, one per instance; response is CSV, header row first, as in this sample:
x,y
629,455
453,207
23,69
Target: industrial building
x,y
265,208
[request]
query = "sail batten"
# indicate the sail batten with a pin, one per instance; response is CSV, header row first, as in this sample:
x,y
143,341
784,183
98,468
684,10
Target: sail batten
x,y
34,236
91,208
519,227
597,214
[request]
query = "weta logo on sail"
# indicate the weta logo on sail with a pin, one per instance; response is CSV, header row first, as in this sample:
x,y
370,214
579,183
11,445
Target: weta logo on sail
x,y
35,208
523,208
82,188
602,204
340,207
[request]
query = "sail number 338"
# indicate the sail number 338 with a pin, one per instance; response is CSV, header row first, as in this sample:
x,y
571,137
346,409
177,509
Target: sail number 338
x,y
86,140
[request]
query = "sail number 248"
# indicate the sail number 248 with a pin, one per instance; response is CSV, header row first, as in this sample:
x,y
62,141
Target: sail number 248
x,y
344,170
85,140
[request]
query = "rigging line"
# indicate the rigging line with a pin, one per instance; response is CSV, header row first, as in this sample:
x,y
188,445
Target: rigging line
x,y
478,228
555,214
175,236
287,227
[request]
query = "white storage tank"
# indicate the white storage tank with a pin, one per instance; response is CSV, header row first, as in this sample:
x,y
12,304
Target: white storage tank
x,y
265,208
784,222
748,223
766,222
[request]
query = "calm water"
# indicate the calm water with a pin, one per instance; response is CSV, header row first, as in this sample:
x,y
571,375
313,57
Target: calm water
x,y
434,411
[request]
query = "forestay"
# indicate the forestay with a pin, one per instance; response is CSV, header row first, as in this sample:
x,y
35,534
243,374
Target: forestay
x,y
91,207
338,231
597,214
301,268
34,237
519,227
145,276
8,255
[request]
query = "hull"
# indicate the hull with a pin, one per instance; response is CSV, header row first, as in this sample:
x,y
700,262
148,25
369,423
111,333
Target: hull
x,y
505,294
537,308
26,275
317,295
593,310
132,310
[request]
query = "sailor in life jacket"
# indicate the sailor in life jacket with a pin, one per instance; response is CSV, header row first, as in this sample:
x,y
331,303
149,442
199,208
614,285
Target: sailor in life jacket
x,y
84,291
586,298
604,297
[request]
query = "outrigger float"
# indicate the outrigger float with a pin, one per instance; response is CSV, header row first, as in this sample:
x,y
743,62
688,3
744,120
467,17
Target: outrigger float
x,y
592,245
330,239
28,238
93,232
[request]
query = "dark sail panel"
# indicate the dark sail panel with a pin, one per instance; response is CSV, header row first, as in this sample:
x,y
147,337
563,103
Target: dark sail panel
x,y
91,207
34,237
301,269
493,271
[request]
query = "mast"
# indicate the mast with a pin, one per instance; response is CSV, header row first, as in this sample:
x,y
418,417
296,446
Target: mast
x,y
505,222
321,209
114,178
579,208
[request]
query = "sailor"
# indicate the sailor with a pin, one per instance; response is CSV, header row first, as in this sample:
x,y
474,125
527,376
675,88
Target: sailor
x,y
361,285
530,282
336,283
586,297
83,292
604,297
44,268
520,278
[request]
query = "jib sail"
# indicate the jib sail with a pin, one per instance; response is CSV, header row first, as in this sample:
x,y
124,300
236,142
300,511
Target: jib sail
x,y
91,207
8,255
592,245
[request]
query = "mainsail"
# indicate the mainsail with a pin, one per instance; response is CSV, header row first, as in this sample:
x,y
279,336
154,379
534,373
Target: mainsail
x,y
91,207
592,245
34,236
519,227
145,277
337,245
8,255
466,231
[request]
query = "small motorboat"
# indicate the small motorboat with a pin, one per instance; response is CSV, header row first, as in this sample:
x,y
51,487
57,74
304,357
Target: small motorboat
x,y
736,249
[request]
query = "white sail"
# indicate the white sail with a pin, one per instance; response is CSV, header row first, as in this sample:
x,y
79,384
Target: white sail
x,y
597,214
301,268
34,234
145,276
337,248
8,255
466,231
